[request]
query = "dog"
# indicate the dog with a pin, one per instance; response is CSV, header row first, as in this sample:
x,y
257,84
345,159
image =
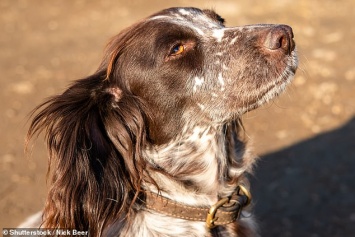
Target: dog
x,y
152,143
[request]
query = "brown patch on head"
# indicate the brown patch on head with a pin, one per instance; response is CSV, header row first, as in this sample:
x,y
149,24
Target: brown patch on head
x,y
213,15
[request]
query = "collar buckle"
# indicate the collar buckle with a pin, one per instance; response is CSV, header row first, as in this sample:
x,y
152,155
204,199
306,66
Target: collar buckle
x,y
241,199
211,215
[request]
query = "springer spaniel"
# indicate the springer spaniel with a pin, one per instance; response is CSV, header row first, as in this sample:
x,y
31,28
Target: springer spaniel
x,y
151,144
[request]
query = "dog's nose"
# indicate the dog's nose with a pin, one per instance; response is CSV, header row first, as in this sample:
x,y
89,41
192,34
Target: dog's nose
x,y
280,37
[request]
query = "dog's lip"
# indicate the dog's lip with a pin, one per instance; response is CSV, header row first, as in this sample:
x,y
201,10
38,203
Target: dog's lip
x,y
262,95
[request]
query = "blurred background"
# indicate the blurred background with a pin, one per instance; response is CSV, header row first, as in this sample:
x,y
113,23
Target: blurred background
x,y
304,184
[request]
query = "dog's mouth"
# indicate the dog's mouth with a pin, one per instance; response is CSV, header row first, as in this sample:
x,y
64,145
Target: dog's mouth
x,y
275,87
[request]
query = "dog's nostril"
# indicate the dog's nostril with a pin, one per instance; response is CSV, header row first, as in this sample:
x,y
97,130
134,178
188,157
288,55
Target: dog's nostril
x,y
280,37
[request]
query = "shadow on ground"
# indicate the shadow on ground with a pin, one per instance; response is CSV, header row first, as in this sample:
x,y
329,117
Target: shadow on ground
x,y
308,189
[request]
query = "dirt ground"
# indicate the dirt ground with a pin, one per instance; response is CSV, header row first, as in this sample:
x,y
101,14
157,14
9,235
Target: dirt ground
x,y
304,184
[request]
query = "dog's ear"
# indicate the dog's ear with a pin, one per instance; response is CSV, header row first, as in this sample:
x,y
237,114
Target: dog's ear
x,y
94,132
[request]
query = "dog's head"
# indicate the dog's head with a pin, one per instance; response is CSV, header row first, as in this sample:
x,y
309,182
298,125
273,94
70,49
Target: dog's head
x,y
188,67
173,71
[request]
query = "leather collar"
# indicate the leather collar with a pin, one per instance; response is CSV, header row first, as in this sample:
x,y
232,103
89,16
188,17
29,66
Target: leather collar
x,y
225,211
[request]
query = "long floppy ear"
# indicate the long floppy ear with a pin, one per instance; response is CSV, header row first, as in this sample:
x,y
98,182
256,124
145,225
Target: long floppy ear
x,y
94,132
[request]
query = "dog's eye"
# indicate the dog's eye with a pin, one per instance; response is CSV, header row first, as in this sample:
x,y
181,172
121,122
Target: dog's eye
x,y
177,49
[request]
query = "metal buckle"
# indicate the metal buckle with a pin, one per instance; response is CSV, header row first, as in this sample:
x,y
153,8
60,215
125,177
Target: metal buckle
x,y
212,212
211,215
245,192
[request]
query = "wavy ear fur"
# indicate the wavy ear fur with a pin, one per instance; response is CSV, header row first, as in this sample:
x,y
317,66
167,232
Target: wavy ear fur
x,y
94,133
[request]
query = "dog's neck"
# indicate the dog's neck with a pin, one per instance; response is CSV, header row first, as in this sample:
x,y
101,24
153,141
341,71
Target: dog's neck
x,y
199,166
202,165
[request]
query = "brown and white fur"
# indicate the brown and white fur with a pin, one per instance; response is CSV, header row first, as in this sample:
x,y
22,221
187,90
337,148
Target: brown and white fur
x,y
161,114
